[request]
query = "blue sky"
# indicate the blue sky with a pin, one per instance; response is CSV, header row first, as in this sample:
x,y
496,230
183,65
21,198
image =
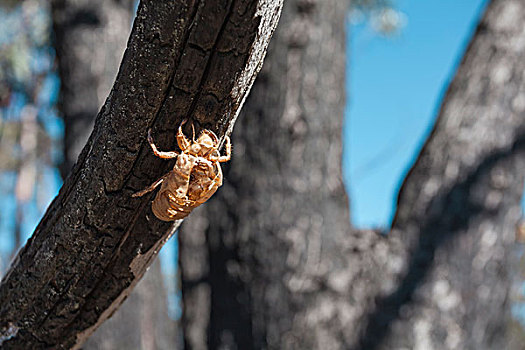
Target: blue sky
x,y
395,85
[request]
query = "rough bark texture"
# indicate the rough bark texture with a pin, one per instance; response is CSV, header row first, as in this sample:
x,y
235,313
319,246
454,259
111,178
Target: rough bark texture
x,y
194,59
90,39
272,263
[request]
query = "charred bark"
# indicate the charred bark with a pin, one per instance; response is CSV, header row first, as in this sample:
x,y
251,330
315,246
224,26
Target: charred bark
x,y
90,39
275,247
185,59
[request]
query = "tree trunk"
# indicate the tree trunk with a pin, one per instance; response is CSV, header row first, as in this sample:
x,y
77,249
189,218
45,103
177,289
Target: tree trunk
x,y
185,59
254,260
90,39
272,262
459,206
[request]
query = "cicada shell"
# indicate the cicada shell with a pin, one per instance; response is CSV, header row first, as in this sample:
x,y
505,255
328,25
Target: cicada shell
x,y
195,177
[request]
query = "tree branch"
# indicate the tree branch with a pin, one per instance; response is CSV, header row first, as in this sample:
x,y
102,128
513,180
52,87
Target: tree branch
x,y
195,59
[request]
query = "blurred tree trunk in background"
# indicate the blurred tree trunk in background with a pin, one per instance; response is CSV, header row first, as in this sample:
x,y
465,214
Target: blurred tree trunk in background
x,y
254,257
142,322
26,168
272,261
459,207
90,38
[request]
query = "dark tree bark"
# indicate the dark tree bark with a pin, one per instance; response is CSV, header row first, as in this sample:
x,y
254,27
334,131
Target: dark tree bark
x,y
90,39
272,262
185,59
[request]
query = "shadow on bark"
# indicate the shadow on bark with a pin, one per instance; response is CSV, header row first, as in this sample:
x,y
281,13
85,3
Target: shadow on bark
x,y
439,228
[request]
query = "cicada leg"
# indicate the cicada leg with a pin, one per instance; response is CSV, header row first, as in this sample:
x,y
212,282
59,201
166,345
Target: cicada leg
x,y
149,188
228,155
182,140
160,154
216,157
